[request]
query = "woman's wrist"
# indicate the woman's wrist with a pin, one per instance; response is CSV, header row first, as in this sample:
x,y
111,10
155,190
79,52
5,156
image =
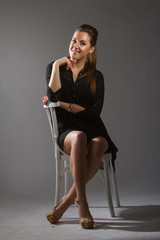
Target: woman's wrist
x,y
56,64
67,106
70,107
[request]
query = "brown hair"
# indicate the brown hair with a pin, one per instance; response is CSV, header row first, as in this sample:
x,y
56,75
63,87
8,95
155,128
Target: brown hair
x,y
92,57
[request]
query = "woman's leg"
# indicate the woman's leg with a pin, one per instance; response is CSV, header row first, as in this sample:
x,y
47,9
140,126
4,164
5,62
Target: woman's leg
x,y
96,149
75,145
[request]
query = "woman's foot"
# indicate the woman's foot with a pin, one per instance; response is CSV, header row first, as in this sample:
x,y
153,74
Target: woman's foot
x,y
57,212
85,217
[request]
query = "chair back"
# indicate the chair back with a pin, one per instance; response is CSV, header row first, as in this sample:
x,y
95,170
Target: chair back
x,y
52,118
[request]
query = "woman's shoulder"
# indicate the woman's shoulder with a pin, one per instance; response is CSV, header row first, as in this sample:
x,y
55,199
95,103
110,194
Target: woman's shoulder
x,y
50,64
99,74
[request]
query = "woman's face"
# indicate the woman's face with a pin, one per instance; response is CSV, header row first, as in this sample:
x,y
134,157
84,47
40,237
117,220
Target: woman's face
x,y
80,46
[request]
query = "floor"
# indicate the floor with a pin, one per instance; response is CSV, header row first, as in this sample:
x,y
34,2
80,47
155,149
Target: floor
x,y
138,218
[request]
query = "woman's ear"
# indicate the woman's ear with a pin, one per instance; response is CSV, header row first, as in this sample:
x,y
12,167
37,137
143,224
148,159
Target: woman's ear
x,y
91,49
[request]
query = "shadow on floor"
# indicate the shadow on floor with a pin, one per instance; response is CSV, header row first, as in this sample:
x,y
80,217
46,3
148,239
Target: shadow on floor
x,y
134,218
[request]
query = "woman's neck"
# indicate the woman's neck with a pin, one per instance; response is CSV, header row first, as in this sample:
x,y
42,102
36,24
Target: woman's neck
x,y
79,65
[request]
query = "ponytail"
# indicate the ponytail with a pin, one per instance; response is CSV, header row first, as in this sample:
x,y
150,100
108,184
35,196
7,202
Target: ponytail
x,y
92,57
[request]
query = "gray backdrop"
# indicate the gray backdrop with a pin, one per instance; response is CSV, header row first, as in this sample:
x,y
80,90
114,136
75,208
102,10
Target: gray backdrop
x,y
33,33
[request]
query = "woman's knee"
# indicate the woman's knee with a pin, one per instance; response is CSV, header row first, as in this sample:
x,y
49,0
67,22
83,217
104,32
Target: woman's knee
x,y
98,146
75,139
79,138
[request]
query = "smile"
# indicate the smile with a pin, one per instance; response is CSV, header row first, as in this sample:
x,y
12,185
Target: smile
x,y
75,51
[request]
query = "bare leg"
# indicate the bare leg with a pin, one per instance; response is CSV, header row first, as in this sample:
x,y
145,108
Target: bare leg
x,y
96,149
75,145
77,142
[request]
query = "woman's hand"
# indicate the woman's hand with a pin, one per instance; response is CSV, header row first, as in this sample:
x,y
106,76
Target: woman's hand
x,y
63,61
45,100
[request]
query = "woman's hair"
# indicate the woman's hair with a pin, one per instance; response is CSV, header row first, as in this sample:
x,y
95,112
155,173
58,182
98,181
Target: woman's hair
x,y
92,57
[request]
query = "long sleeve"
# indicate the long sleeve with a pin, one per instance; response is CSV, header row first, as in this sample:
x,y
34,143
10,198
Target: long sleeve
x,y
53,96
94,111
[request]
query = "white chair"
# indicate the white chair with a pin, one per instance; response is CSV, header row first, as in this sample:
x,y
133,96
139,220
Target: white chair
x,y
63,164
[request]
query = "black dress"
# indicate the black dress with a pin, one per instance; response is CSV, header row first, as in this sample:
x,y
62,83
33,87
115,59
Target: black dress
x,y
79,92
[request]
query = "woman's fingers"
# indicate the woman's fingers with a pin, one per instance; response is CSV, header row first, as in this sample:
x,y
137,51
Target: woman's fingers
x,y
44,100
73,60
69,63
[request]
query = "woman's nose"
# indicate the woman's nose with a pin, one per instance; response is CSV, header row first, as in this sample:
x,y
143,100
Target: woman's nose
x,y
76,45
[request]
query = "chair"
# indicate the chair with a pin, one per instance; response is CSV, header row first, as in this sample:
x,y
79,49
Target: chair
x,y
63,164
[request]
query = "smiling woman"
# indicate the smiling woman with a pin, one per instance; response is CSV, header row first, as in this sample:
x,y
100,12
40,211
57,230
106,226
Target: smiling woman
x,y
79,88
80,46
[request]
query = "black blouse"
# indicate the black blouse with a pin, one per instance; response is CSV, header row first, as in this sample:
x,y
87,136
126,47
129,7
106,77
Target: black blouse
x,y
79,92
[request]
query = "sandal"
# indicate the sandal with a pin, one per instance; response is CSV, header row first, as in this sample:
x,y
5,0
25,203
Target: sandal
x,y
87,221
54,215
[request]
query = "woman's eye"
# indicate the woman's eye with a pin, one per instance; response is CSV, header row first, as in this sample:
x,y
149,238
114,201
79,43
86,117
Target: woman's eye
x,y
73,40
83,44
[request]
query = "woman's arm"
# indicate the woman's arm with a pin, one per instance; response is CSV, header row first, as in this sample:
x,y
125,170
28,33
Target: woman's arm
x,y
55,83
71,107
82,112
91,112
53,77
88,112
54,86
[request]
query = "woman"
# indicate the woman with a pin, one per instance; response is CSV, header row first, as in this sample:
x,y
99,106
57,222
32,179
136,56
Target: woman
x,y
79,88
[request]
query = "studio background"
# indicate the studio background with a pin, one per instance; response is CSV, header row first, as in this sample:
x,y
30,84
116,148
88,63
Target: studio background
x,y
32,34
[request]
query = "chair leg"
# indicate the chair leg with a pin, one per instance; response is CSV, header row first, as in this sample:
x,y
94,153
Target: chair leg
x,y
107,186
114,185
58,176
66,179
